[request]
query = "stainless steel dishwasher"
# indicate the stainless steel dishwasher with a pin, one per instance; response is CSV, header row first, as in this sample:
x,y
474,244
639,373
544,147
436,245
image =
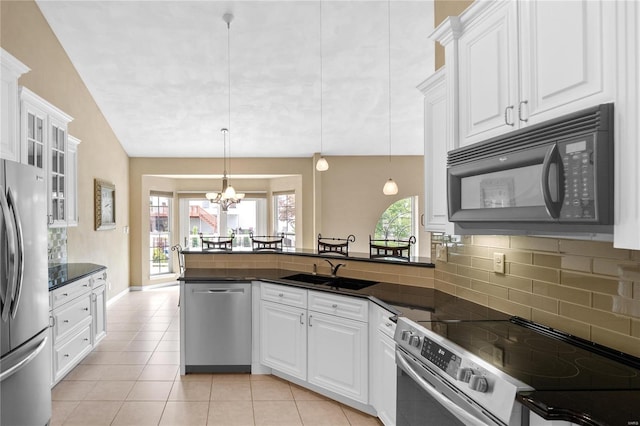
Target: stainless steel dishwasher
x,y
217,329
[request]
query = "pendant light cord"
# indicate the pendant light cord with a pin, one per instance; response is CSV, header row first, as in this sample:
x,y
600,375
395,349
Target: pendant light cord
x,y
321,109
229,89
389,40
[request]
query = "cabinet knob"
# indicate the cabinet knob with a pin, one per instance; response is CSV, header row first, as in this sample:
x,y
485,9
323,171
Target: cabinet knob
x,y
85,340
334,306
85,309
66,355
65,294
280,295
66,321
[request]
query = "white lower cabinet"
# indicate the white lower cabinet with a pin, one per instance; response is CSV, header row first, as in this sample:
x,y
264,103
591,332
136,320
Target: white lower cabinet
x,y
78,321
383,371
317,337
338,355
283,338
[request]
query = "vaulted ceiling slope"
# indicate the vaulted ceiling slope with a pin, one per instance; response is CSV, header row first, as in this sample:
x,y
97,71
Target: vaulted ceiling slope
x,y
158,71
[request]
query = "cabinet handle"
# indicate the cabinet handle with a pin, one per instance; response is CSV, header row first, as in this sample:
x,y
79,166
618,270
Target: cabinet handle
x,y
85,339
310,316
52,321
66,355
65,294
66,321
85,309
301,316
422,219
388,324
334,306
280,295
520,111
506,115
49,219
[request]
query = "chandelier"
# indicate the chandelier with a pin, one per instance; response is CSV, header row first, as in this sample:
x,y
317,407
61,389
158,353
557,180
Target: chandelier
x,y
228,196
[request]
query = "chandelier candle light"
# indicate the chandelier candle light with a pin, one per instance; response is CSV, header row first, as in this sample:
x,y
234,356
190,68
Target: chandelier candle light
x,y
228,196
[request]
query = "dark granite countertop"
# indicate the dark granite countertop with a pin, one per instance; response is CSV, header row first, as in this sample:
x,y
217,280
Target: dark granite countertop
x,y
364,257
61,274
590,408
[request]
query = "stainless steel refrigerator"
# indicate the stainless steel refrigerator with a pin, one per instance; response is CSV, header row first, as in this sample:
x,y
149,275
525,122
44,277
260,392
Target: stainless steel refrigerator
x,y
25,360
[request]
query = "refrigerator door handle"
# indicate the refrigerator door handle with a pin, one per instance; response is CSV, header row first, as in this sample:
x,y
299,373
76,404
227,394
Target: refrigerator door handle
x,y
24,361
11,200
11,255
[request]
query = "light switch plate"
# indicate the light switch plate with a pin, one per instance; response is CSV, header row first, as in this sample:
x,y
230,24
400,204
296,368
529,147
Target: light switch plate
x,y
498,263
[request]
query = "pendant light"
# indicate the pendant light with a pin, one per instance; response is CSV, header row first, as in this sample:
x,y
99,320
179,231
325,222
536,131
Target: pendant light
x,y
322,165
390,186
228,196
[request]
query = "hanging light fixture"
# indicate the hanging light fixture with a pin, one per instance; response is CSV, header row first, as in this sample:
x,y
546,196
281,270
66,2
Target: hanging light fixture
x,y
322,164
228,196
390,186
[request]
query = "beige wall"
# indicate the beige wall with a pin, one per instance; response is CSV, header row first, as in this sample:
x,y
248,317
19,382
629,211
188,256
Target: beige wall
x,y
27,36
349,198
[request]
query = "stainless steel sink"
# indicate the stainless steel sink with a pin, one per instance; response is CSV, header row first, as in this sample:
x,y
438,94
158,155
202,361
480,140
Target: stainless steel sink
x,y
338,282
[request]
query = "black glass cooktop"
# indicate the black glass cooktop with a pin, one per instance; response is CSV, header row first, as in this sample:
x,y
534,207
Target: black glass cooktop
x,y
538,359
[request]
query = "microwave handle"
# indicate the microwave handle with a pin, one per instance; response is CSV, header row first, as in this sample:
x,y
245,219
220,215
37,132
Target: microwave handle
x,y
553,158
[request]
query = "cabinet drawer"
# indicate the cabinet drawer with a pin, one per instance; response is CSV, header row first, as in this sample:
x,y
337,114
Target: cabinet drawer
x,y
291,296
382,321
69,316
346,307
98,279
62,295
72,350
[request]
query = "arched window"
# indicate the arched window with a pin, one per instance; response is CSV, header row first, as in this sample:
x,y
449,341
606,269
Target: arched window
x,y
399,221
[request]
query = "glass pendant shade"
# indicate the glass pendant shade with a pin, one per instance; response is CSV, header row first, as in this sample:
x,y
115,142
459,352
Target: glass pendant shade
x,y
230,192
390,187
322,165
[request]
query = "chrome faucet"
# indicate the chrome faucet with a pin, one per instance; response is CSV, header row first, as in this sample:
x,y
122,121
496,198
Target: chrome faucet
x,y
334,268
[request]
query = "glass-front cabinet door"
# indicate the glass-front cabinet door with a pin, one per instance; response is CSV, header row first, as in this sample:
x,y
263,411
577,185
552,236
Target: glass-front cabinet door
x,y
44,146
57,175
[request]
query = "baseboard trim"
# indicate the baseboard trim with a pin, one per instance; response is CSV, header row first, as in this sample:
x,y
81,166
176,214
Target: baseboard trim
x,y
117,296
152,287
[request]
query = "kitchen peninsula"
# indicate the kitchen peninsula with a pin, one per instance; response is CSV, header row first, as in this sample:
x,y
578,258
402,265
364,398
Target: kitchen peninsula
x,y
338,341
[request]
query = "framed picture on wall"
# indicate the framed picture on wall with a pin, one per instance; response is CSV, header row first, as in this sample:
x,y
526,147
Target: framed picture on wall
x,y
105,205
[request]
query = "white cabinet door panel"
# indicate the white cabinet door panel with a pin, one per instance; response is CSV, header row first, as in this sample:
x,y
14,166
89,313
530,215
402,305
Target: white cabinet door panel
x,y
488,76
283,338
566,56
338,355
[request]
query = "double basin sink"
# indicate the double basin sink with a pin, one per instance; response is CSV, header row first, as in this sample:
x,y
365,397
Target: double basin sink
x,y
338,282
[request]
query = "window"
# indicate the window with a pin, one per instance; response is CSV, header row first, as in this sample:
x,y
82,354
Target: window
x,y
285,217
201,216
399,221
160,233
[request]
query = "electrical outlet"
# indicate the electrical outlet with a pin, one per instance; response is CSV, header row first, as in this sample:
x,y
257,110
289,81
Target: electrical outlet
x,y
441,252
498,263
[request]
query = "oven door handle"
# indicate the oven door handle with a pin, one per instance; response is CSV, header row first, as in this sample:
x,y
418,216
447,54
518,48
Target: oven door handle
x,y
467,417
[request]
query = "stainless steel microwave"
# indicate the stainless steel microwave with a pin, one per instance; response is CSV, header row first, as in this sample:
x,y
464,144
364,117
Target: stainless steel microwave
x,y
554,177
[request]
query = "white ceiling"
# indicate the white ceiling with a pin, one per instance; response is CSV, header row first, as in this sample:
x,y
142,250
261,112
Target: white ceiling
x,y
158,71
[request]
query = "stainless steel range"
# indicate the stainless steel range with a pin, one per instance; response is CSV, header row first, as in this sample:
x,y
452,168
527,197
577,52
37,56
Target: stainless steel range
x,y
441,383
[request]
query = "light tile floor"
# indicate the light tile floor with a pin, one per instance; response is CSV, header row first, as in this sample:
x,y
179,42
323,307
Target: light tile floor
x,y
132,378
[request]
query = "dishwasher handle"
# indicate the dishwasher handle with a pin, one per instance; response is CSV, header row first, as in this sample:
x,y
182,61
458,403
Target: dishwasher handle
x,y
218,291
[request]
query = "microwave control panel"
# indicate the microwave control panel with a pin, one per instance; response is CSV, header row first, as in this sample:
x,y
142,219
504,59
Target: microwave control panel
x,y
579,180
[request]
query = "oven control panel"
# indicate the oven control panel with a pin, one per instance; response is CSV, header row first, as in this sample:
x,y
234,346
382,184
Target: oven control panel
x,y
460,370
442,358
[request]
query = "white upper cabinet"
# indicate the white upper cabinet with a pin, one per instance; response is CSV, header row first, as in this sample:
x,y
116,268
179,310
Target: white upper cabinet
x,y
627,128
44,145
437,141
521,63
10,70
488,74
567,57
